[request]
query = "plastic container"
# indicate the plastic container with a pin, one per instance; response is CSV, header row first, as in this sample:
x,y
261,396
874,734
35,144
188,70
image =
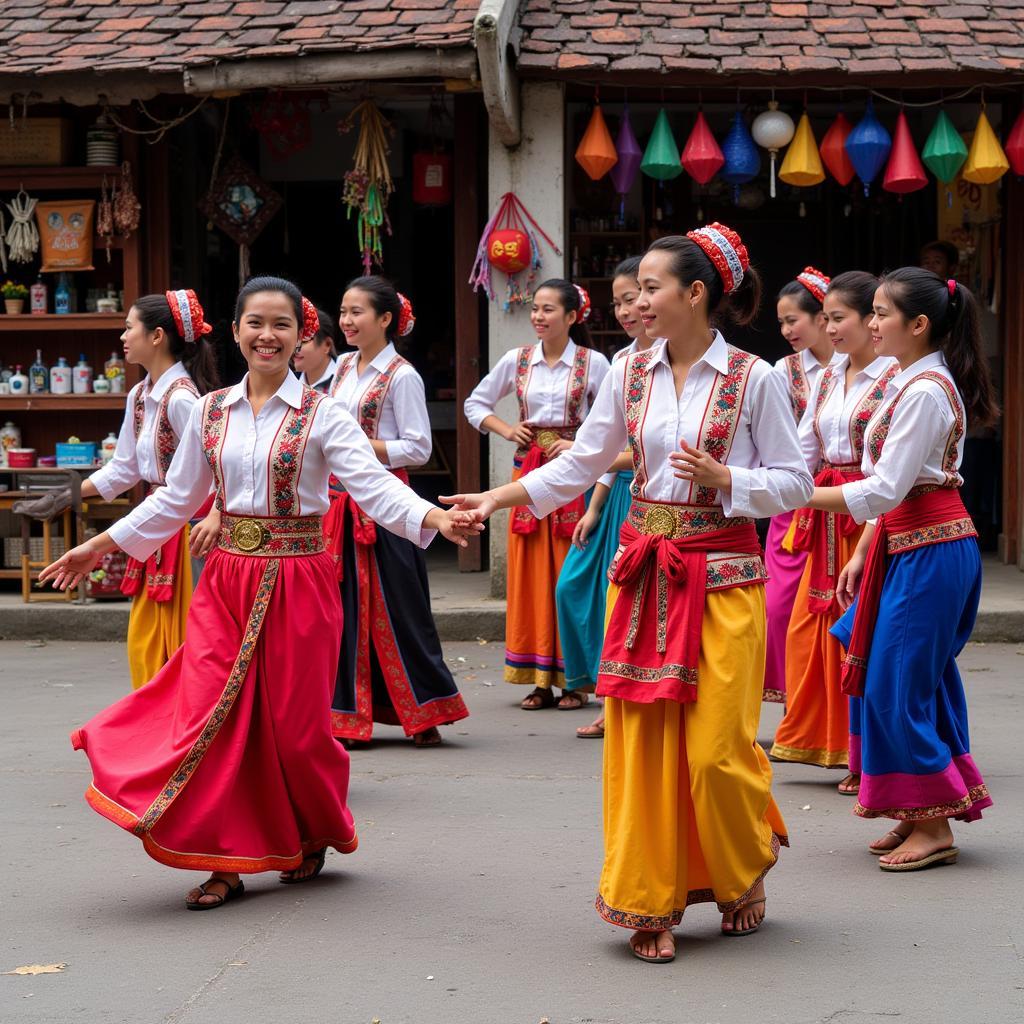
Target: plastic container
x,y
19,382
10,437
113,370
81,377
21,458
107,448
47,461
60,378
38,297
76,453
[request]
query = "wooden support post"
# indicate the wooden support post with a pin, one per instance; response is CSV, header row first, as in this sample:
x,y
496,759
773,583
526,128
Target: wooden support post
x,y
1012,322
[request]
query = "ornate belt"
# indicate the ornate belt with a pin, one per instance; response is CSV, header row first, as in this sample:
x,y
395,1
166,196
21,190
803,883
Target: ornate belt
x,y
545,437
271,536
678,521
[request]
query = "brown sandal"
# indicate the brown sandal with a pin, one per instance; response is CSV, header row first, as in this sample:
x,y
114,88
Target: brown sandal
x,y
233,892
575,698
538,699
847,787
878,851
594,731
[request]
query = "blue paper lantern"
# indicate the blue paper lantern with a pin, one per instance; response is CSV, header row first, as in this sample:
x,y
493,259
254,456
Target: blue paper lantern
x,y
742,160
868,146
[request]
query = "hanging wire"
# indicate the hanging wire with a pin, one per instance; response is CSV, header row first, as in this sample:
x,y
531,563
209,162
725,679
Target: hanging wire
x,y
162,126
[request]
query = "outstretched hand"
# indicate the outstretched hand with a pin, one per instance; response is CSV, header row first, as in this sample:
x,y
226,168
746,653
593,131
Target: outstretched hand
x,y
699,468
71,567
481,506
454,525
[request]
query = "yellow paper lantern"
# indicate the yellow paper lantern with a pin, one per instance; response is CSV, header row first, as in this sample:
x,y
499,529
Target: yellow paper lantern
x,y
986,161
802,166
596,153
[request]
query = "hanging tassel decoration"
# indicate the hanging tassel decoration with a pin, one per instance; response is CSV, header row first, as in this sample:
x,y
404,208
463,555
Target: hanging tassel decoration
x,y
23,238
127,208
105,218
368,186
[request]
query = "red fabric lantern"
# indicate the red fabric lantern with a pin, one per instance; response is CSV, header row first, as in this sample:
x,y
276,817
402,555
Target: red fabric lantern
x,y
904,172
702,156
833,150
508,250
1014,148
431,179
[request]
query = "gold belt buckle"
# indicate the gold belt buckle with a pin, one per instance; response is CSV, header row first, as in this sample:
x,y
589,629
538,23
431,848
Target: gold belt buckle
x,y
249,535
546,438
660,520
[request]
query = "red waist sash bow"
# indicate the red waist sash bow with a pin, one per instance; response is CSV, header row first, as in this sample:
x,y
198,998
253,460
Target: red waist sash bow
x,y
818,532
564,519
160,570
652,644
932,516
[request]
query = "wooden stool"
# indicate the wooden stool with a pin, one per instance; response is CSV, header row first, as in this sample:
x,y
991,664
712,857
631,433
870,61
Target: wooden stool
x,y
28,566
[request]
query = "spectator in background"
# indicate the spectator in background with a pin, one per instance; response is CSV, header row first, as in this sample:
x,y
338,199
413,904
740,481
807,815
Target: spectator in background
x,y
940,258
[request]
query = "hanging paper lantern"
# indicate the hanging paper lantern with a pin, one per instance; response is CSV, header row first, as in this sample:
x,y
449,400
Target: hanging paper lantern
x,y
596,151
802,165
833,150
1015,146
945,151
772,131
624,173
702,156
904,173
742,160
868,145
508,250
986,161
661,158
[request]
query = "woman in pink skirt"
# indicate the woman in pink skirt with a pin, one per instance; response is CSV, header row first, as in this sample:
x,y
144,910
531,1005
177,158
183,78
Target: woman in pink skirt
x,y
225,762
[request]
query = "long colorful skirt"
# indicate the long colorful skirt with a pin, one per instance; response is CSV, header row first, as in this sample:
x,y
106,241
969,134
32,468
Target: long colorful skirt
x,y
785,569
816,726
915,744
533,653
582,586
688,811
225,761
391,668
156,629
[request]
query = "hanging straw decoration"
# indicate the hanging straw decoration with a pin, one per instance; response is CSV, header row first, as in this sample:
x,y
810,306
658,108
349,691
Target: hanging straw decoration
x,y
509,244
3,244
368,186
23,238
105,218
127,208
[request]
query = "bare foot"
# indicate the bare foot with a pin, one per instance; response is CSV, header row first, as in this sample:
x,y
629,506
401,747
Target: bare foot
x,y
312,864
747,918
593,731
572,700
653,945
850,786
926,838
893,838
216,886
428,738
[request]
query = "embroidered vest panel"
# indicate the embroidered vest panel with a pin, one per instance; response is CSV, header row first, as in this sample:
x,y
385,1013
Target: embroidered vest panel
x,y
165,440
371,405
636,395
575,389
862,413
799,388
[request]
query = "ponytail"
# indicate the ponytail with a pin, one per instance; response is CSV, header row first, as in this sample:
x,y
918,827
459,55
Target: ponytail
x,y
197,356
201,363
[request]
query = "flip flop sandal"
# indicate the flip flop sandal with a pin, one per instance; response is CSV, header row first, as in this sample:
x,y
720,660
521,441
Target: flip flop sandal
x,y
590,732
659,959
232,894
577,701
734,933
319,856
891,832
847,792
545,699
947,856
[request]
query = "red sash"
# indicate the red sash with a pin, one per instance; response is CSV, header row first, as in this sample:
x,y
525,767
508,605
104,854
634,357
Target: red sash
x,y
564,519
818,532
933,516
652,643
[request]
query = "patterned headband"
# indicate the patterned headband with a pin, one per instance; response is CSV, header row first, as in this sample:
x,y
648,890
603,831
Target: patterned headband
x,y
310,322
584,302
187,314
815,282
406,319
726,250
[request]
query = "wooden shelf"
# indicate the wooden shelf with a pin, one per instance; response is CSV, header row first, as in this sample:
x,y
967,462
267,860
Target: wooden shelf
x,y
62,322
44,179
59,403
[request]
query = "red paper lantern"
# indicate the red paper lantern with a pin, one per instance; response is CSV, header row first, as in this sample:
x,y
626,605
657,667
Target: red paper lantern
x,y
833,150
904,172
431,179
508,250
1014,148
702,156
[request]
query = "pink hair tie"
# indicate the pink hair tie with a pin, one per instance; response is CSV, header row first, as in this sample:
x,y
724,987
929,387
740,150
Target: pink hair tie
x,y
951,285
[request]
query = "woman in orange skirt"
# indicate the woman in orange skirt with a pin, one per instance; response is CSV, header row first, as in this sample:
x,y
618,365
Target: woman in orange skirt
x,y
815,729
555,382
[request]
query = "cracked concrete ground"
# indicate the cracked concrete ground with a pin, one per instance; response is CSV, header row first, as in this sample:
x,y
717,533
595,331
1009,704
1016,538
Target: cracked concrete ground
x,y
469,900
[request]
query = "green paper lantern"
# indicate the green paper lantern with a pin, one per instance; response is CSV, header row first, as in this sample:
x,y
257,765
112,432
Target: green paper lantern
x,y
945,151
661,159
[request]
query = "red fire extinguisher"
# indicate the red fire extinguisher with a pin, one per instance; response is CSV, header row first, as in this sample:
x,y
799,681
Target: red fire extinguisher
x,y
431,179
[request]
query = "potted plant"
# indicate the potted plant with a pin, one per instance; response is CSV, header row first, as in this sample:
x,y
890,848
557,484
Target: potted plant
x,y
14,296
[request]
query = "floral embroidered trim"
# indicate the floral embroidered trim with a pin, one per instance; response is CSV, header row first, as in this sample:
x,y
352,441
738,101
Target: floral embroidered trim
x,y
265,537
799,390
680,520
372,404
637,674
861,416
774,696
825,389
636,395
855,661
286,454
923,535
214,424
576,389
344,365
165,439
179,779
734,571
723,415
523,368
948,810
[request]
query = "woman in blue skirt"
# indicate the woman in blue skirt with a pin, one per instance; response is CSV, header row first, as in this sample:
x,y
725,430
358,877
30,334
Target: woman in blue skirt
x,y
582,583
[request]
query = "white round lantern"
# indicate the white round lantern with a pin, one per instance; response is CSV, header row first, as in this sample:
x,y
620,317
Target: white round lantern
x,y
772,130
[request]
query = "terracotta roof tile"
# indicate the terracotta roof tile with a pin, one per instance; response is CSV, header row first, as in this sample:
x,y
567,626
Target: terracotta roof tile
x,y
107,35
744,36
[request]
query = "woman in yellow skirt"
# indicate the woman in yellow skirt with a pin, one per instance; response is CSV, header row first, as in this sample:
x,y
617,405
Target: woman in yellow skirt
x,y
166,336
688,811
555,383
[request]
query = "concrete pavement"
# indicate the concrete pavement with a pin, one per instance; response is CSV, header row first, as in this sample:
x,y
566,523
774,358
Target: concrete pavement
x,y
469,900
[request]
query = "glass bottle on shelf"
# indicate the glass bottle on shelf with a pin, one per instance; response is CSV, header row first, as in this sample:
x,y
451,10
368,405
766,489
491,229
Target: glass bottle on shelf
x,y
60,377
81,377
10,437
38,297
107,448
113,370
18,381
62,296
38,376
575,262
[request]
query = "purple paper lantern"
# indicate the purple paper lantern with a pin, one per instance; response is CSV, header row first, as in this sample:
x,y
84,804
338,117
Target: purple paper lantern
x,y
624,173
868,146
742,160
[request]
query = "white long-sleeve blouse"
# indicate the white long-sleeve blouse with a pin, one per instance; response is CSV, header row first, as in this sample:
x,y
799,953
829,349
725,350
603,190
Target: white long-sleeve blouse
x,y
403,423
769,475
547,387
335,445
921,445
135,458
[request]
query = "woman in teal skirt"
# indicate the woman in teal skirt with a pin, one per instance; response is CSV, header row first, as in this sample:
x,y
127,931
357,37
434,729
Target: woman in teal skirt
x,y
582,583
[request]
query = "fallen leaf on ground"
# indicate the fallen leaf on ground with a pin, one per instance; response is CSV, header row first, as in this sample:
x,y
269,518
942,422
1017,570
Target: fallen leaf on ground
x,y
38,969
482,642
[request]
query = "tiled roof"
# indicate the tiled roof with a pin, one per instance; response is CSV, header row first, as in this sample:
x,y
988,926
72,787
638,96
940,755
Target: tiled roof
x,y
736,37
48,36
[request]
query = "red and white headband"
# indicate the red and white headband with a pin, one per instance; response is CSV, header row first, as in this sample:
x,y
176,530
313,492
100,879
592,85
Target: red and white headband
x,y
726,250
187,314
584,309
310,322
815,282
406,319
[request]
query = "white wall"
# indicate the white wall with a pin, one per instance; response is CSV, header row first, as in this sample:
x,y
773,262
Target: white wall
x,y
535,171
